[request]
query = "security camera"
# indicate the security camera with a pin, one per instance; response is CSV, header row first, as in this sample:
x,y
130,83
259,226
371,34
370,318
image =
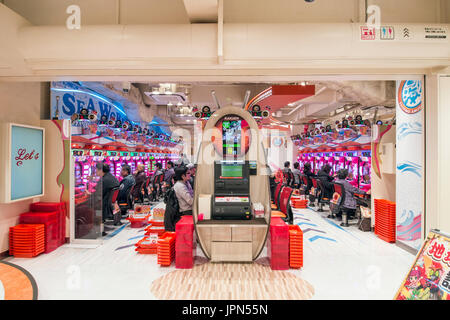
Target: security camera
x,y
126,87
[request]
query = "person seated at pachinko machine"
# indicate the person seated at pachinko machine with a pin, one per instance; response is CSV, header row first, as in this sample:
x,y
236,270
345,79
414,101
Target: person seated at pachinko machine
x,y
325,177
307,171
365,182
348,208
297,173
125,186
287,174
352,180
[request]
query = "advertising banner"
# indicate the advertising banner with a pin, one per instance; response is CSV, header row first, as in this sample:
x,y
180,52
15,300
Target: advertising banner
x,y
429,276
410,163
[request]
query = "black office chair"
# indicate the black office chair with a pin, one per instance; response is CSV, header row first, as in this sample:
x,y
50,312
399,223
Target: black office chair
x,y
127,203
322,199
346,213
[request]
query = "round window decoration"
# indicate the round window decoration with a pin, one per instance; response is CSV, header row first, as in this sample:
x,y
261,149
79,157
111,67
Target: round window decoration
x,y
277,142
410,96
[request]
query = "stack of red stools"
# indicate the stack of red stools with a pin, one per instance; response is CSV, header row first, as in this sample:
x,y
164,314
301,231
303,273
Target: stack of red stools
x,y
299,204
278,244
166,249
385,220
51,222
59,207
155,226
295,247
184,243
147,246
26,240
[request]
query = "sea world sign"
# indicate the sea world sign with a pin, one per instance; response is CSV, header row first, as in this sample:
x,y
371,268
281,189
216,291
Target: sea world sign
x,y
68,102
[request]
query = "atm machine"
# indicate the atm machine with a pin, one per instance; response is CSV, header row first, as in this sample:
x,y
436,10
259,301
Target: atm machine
x,y
229,227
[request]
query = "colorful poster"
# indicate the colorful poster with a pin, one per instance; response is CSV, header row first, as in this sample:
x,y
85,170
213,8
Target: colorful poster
x,y
429,277
410,163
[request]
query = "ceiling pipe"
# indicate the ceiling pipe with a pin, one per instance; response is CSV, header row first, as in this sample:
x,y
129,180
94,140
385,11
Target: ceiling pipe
x,y
247,96
216,101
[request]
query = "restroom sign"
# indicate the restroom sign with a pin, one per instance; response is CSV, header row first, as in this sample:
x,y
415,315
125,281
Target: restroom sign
x,y
387,33
368,33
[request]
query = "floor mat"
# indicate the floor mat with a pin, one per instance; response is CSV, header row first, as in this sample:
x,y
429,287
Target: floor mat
x,y
231,281
16,283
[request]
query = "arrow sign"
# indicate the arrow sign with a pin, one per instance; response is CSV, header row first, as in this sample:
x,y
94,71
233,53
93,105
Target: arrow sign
x,y
308,224
405,33
311,229
320,237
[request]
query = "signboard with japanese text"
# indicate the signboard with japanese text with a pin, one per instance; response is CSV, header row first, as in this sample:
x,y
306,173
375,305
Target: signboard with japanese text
x,y
429,277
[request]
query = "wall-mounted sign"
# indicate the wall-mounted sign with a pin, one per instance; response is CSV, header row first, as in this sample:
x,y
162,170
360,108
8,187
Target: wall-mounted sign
x,y
410,96
23,162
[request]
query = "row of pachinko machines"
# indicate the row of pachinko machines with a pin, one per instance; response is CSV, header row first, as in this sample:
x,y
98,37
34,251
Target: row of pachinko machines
x,y
85,161
357,162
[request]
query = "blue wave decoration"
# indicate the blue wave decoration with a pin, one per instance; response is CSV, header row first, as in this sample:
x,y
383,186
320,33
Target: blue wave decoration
x,y
407,217
408,128
412,167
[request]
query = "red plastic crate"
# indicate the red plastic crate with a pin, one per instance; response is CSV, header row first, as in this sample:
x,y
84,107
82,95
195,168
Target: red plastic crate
x,y
51,222
27,240
52,207
385,220
184,243
145,246
155,226
166,248
295,247
278,244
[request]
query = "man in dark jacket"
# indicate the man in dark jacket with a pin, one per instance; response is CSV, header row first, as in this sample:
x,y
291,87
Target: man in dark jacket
x,y
126,183
287,173
140,178
309,174
124,190
109,182
324,176
168,175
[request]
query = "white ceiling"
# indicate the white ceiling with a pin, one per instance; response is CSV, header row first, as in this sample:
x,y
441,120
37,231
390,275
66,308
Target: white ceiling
x,y
98,12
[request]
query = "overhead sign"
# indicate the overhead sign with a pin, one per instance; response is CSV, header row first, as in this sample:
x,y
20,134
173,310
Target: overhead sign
x,y
67,99
410,33
429,276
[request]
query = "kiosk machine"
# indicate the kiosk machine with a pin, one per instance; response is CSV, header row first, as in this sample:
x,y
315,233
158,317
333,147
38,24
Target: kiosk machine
x,y
232,174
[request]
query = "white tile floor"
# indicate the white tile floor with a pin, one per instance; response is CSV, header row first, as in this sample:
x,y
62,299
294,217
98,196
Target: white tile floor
x,y
353,265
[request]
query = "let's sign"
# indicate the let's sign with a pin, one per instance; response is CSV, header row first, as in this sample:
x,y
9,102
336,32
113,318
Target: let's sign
x,y
24,162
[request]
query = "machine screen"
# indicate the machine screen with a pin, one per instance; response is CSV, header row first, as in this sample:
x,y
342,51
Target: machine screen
x,y
231,171
231,137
